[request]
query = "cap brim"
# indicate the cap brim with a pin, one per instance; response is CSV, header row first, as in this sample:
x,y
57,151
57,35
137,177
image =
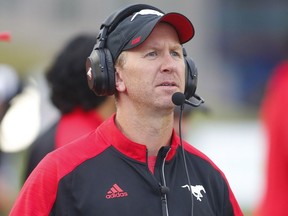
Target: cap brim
x,y
182,25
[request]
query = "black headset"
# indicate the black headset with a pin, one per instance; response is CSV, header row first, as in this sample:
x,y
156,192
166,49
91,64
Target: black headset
x,y
100,66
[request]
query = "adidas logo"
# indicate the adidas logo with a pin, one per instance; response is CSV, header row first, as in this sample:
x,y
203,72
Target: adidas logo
x,y
115,192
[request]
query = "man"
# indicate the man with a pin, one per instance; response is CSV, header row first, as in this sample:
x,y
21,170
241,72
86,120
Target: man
x,y
81,112
132,164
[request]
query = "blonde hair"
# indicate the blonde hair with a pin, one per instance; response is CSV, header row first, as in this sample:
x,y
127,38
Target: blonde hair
x,y
120,61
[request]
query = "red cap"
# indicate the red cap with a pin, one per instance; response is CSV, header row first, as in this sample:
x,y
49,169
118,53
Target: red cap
x,y
136,28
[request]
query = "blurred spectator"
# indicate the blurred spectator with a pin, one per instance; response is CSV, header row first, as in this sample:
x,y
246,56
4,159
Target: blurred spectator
x,y
10,86
81,110
275,119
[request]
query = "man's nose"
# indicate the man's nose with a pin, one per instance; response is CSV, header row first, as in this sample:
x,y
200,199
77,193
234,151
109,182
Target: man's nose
x,y
168,63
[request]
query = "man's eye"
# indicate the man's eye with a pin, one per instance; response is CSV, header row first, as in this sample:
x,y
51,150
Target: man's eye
x,y
174,53
152,54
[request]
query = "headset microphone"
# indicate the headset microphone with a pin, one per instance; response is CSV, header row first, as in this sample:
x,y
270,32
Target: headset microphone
x,y
178,98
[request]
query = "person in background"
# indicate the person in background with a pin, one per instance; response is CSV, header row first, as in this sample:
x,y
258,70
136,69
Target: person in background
x,y
134,163
81,111
274,117
10,86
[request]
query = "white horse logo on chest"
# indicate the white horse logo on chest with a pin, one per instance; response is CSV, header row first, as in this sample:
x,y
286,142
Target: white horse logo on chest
x,y
195,190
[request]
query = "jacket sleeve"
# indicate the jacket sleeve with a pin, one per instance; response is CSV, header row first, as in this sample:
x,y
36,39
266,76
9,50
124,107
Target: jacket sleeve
x,y
38,193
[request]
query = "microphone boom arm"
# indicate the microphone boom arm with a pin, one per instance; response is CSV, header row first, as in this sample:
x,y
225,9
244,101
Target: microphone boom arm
x,y
199,99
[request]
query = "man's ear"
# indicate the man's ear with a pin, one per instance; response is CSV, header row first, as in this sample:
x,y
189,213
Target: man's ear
x,y
120,85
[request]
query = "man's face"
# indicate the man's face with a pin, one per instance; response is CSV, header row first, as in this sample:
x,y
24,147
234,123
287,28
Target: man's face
x,y
154,70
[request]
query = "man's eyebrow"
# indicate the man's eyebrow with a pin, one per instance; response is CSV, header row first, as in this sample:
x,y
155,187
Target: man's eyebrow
x,y
177,46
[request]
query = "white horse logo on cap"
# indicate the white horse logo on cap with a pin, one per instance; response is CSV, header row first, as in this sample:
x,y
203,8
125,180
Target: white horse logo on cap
x,y
147,12
195,190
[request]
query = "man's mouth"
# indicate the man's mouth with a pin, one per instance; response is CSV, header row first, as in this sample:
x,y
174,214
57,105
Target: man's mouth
x,y
168,84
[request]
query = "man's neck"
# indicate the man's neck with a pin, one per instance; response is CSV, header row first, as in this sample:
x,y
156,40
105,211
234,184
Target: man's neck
x,y
152,131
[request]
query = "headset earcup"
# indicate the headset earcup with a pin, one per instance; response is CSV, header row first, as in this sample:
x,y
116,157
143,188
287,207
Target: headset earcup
x,y
92,63
110,79
101,74
191,78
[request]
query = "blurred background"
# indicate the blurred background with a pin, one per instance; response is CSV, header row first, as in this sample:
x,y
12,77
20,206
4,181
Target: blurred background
x,y
236,46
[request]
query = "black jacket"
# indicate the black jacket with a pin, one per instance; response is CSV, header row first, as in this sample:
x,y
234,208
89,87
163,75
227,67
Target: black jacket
x,y
104,173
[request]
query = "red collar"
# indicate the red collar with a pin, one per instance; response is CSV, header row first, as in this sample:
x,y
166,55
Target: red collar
x,y
113,136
